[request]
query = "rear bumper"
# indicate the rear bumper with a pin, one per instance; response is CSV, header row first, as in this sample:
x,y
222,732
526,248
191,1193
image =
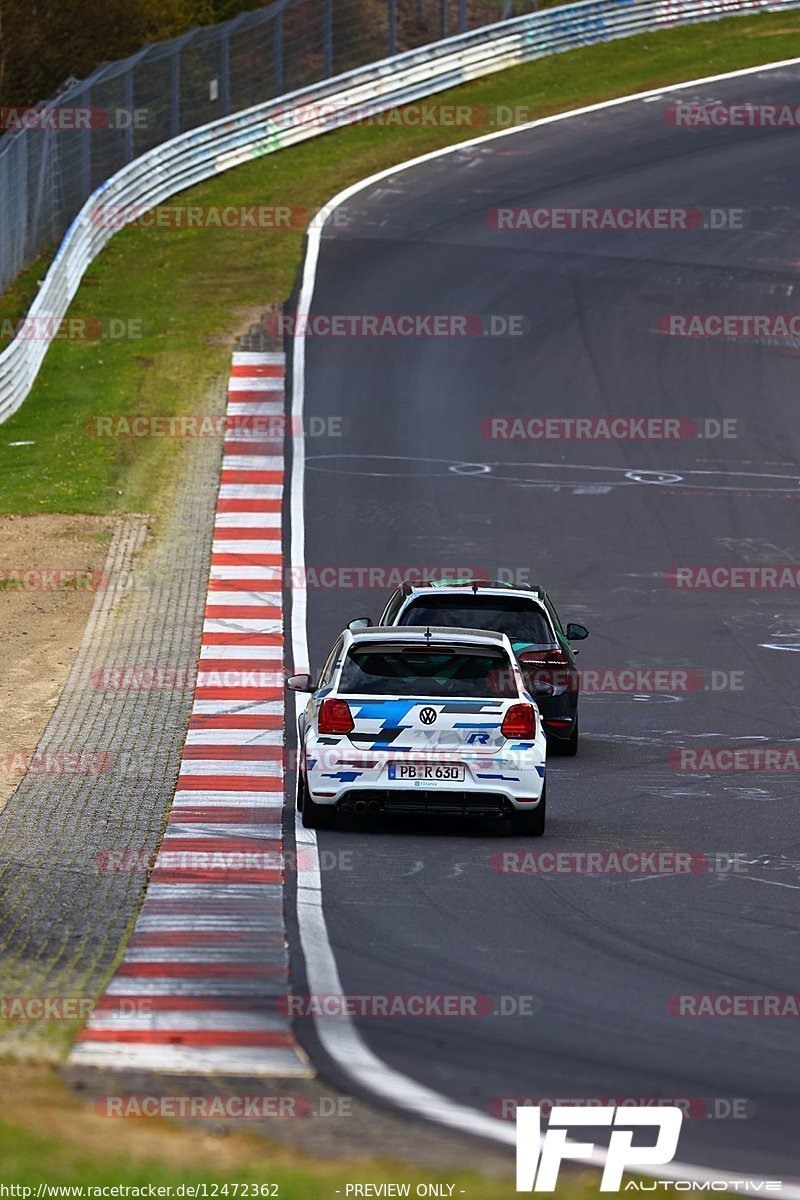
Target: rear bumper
x,y
559,714
436,803
511,779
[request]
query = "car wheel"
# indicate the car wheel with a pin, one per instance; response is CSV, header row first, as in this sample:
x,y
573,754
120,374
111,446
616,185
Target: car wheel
x,y
315,816
569,748
531,823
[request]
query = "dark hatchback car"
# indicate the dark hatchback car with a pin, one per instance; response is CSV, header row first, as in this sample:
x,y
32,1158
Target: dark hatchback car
x,y
527,615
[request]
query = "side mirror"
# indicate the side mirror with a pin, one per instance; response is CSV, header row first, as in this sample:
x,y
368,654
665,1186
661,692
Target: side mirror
x,y
576,633
300,683
359,623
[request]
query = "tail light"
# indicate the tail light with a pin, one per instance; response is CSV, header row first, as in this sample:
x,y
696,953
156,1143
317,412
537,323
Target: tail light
x,y
546,670
548,658
519,722
335,717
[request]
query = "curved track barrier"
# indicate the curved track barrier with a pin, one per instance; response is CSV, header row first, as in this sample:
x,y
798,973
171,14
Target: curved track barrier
x,y
211,149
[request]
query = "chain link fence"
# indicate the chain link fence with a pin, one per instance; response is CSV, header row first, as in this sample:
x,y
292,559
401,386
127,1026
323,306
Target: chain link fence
x,y
52,157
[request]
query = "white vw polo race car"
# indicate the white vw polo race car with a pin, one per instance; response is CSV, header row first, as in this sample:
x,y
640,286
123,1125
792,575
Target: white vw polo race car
x,y
420,719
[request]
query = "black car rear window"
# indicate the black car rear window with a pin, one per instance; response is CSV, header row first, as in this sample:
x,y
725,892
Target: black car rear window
x,y
426,673
520,619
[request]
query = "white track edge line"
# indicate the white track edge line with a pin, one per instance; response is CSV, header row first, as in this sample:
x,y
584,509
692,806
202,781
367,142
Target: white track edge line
x,y
341,1039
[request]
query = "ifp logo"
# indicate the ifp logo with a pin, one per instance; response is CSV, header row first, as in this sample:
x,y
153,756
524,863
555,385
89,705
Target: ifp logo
x,y
539,1158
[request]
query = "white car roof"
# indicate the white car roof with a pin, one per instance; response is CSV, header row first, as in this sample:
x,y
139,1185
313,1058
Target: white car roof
x,y
418,634
459,589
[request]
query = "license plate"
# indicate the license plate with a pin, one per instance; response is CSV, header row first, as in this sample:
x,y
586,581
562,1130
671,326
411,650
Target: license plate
x,y
427,772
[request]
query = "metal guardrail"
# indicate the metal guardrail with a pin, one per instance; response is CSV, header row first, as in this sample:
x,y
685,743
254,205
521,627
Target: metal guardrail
x,y
211,149
54,155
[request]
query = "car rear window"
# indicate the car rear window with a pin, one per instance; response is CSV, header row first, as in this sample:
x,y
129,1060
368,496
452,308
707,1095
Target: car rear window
x,y
427,673
522,620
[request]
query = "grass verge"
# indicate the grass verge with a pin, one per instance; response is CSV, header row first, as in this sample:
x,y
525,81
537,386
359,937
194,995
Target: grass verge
x,y
189,291
49,1136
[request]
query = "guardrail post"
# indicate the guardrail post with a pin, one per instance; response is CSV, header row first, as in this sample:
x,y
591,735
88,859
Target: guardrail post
x,y
277,49
462,16
175,91
391,23
86,151
442,18
327,35
128,106
225,73
47,157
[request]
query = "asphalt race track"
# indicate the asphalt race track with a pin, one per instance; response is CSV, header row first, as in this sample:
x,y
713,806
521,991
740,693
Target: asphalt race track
x,y
414,482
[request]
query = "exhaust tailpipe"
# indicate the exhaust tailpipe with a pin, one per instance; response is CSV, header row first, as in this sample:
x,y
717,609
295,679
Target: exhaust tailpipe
x,y
374,806
360,806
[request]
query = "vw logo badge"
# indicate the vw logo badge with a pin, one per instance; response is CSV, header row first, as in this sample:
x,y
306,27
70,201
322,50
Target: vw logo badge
x,y
428,716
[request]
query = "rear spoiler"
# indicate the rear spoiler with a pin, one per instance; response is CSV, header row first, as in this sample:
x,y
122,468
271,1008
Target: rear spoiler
x,y
433,646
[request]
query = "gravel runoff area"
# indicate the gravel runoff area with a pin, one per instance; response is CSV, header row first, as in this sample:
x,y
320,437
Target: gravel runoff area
x,y
104,771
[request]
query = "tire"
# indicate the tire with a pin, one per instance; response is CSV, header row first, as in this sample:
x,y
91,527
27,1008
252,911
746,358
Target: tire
x,y
569,748
315,816
531,823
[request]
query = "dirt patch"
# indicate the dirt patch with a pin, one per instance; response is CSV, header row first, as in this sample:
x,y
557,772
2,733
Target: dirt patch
x,y
50,569
243,319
